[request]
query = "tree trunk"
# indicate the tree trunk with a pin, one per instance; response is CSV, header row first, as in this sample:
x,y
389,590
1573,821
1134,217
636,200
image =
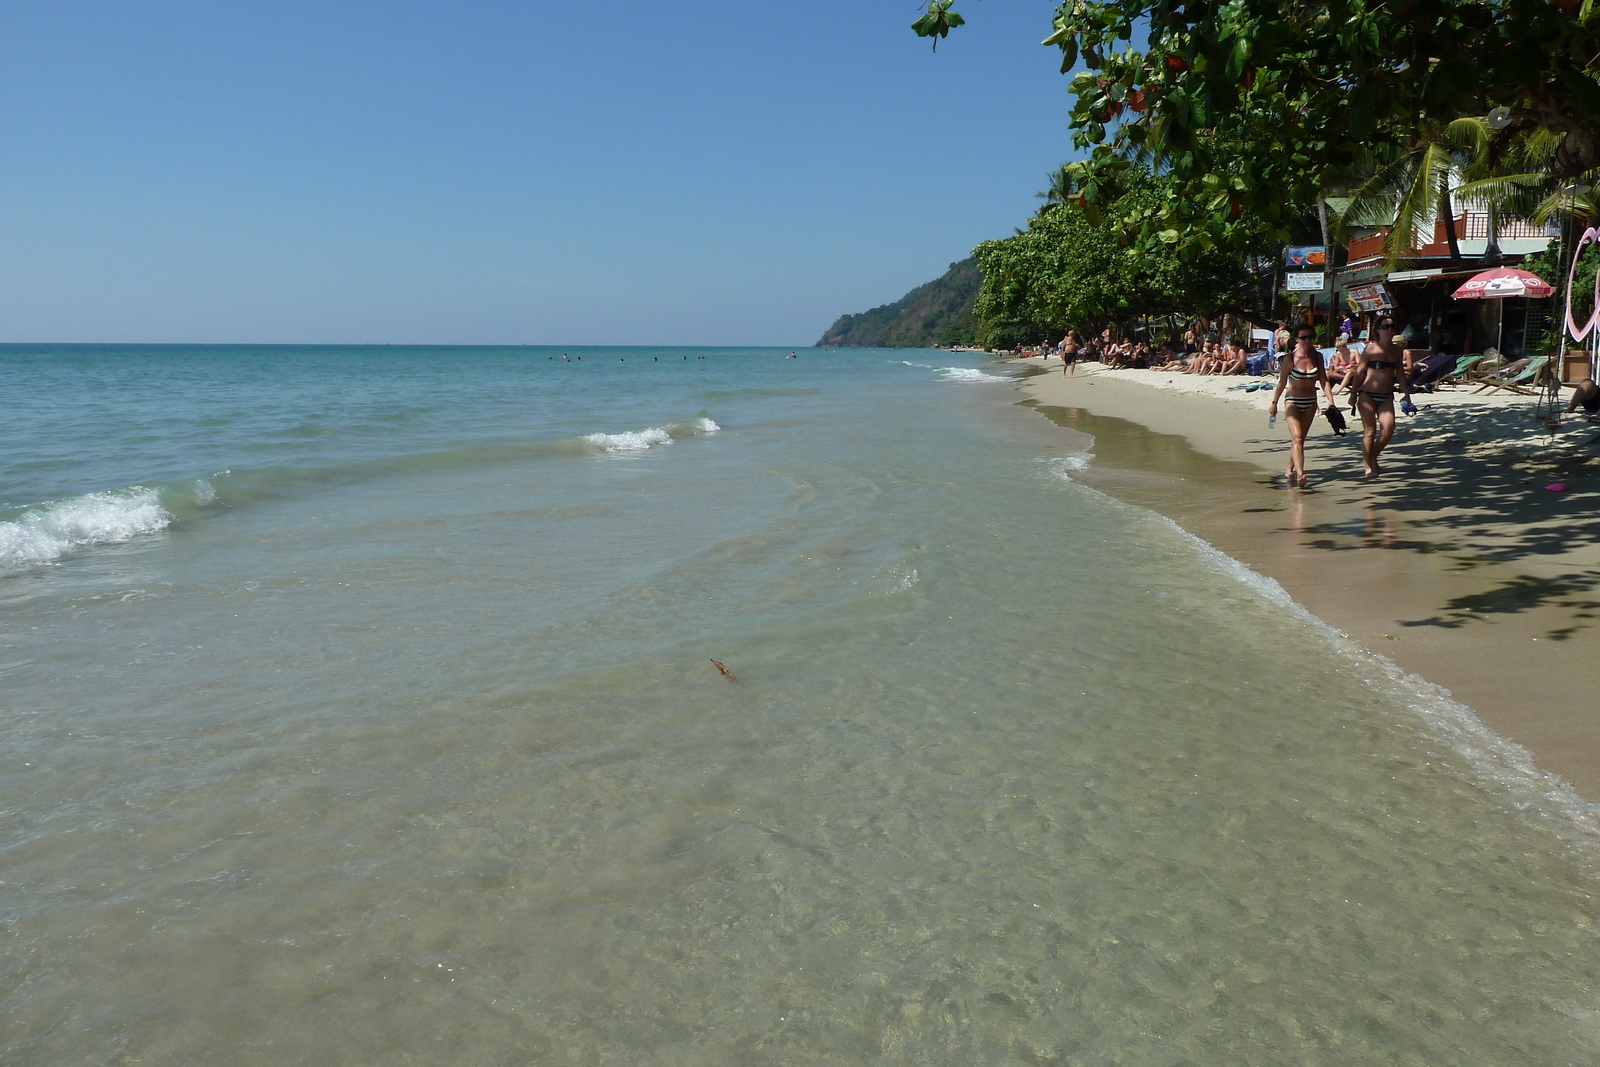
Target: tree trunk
x,y
1450,224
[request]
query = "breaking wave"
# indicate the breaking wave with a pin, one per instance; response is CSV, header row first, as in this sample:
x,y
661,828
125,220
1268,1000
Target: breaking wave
x,y
969,375
643,440
45,533
50,531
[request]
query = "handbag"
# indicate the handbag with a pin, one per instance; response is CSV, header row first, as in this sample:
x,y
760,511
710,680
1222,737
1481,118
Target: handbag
x,y
1335,419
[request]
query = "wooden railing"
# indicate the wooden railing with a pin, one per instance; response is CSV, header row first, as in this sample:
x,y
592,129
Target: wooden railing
x,y
1470,226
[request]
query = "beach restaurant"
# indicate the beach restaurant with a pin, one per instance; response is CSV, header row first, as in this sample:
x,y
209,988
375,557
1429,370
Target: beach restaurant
x,y
1421,297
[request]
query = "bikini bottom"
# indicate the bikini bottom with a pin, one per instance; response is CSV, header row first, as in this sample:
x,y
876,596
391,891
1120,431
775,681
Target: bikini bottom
x,y
1301,402
1378,400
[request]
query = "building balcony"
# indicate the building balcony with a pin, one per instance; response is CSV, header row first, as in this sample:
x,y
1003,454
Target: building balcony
x,y
1518,237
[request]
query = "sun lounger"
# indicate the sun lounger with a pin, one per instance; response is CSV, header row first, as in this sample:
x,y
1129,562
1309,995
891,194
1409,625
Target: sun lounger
x,y
1460,372
1514,377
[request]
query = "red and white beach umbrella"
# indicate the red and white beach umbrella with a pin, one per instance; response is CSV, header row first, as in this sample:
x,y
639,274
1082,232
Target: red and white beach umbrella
x,y
1504,282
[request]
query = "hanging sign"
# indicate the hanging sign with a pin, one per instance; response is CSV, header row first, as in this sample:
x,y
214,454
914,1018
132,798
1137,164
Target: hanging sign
x,y
1373,297
1307,283
1305,256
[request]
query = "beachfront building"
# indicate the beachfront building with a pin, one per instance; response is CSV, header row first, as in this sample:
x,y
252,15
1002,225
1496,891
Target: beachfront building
x,y
1420,293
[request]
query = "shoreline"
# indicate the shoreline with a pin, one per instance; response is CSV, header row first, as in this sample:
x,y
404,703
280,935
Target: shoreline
x,y
1457,565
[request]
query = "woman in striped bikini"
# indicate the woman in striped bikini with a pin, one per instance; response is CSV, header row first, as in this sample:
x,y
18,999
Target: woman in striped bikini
x,y
1371,381
1301,373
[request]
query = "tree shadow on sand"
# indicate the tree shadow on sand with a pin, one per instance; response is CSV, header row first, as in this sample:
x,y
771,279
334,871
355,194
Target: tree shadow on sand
x,y
1477,483
1465,482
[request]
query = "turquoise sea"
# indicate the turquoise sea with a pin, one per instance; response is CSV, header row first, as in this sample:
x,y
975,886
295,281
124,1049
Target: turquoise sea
x,y
356,707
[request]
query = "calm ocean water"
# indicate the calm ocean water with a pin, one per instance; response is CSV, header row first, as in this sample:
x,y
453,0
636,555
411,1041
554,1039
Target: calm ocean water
x,y
357,709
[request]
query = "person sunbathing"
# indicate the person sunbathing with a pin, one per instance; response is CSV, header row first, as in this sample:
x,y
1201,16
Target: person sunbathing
x,y
1585,394
1234,359
1343,358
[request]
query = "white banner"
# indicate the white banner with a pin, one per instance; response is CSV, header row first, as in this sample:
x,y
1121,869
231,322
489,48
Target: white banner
x,y
1307,283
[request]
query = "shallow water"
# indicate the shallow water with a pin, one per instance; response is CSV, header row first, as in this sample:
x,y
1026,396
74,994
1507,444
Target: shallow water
x,y
398,741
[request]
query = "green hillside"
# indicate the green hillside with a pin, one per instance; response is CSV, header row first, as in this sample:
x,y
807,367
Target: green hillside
x,y
938,313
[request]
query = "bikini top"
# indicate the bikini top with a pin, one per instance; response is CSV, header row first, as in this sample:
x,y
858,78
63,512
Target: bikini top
x,y
1382,364
1302,375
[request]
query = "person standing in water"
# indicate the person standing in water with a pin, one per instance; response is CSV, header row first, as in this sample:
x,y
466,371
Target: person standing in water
x,y
1381,364
1300,372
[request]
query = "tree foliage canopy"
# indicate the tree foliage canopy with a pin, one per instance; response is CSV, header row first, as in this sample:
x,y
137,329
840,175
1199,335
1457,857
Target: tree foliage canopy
x,y
1253,107
1074,269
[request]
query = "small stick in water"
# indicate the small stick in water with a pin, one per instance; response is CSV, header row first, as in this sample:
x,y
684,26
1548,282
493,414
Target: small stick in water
x,y
726,673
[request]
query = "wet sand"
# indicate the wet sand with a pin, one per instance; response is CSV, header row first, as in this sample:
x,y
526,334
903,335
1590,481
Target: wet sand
x,y
1457,563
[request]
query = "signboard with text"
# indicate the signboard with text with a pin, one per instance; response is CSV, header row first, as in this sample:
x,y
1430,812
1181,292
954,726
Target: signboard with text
x,y
1372,297
1305,256
1307,283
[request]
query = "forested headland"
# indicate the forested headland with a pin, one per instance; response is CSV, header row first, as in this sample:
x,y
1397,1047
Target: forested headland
x,y
937,313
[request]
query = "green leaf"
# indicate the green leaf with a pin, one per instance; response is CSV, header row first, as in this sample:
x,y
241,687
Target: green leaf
x,y
938,22
1069,55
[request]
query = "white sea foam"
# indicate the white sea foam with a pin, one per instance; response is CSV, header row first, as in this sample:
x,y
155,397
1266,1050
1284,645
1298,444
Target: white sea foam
x,y
1063,466
969,375
631,440
48,532
644,440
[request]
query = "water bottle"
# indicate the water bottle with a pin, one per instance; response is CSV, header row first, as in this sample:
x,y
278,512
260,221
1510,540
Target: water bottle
x,y
1272,421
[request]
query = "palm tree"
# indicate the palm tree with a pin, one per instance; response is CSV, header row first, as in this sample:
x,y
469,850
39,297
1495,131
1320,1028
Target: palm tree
x,y
1526,179
1062,188
1516,173
1409,190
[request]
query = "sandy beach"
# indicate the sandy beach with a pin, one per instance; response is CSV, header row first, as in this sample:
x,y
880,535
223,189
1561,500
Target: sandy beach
x,y
1458,563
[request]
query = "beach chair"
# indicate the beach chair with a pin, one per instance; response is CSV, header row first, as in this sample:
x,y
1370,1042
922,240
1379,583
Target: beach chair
x,y
1515,377
1458,374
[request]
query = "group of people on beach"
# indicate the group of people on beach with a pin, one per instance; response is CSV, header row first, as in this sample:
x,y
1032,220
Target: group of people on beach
x,y
1196,356
1369,373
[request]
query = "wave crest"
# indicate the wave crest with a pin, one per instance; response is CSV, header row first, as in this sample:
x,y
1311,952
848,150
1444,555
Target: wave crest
x,y
46,533
970,375
644,440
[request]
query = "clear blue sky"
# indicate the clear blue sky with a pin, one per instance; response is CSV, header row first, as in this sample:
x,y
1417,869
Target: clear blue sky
x,y
605,171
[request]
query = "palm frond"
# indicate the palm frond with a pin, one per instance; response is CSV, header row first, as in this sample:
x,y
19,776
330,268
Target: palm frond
x,y
1420,200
